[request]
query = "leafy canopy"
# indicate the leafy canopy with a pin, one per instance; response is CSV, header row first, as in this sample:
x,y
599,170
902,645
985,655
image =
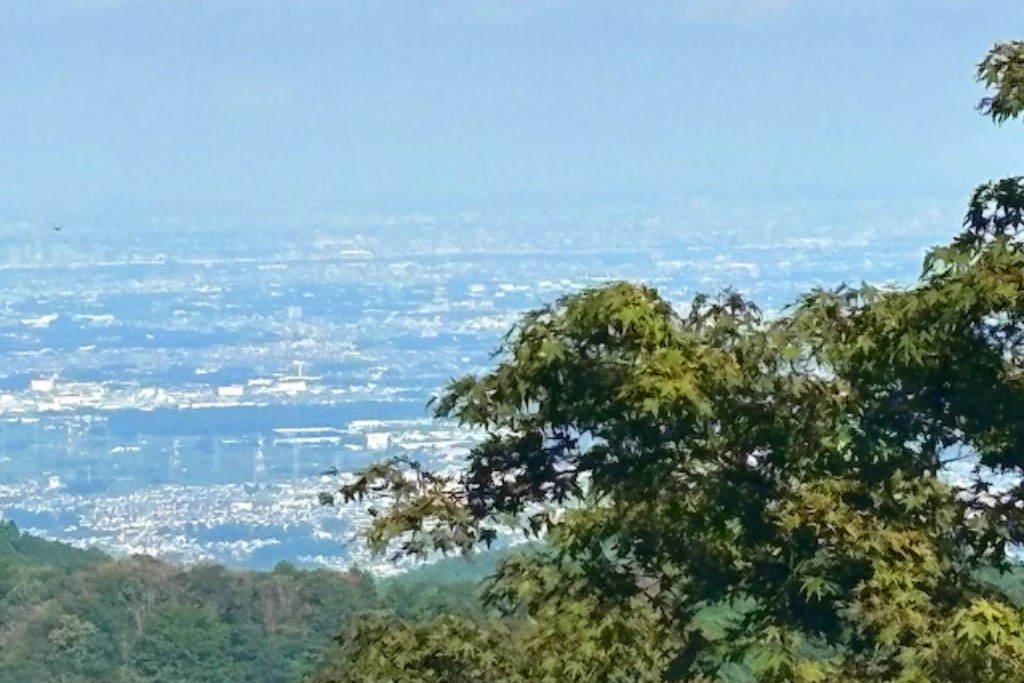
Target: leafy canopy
x,y
1003,70
726,496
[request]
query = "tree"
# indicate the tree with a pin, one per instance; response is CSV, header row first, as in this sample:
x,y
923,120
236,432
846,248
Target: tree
x,y
1003,70
185,643
725,496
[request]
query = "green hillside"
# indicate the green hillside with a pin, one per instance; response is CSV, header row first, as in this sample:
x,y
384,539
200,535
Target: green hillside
x,y
18,547
74,616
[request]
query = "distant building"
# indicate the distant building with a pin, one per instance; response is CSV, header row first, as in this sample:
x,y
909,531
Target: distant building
x,y
231,391
291,385
43,385
77,397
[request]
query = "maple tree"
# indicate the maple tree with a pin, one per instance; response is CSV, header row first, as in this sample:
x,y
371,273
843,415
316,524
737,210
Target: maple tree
x,y
728,496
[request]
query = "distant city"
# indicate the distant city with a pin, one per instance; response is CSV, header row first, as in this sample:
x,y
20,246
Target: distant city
x,y
179,386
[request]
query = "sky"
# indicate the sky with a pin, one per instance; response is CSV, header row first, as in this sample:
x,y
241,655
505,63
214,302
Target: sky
x,y
245,104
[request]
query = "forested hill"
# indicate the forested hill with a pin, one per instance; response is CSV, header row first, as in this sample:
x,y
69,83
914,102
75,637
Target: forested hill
x,y
75,616
16,547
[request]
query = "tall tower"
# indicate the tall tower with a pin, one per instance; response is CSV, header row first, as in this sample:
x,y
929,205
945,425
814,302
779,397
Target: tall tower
x,y
69,445
176,457
259,462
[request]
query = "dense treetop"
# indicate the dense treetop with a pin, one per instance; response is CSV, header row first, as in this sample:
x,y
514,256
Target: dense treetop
x,y
1003,71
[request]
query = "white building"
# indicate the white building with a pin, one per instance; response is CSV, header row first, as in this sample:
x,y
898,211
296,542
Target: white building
x,y
291,386
231,391
43,385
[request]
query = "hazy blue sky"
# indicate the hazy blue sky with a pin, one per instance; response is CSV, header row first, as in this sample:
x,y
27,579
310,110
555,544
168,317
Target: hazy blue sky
x,y
260,102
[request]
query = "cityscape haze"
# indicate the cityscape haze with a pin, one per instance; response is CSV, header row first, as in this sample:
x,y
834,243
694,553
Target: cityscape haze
x,y
179,388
